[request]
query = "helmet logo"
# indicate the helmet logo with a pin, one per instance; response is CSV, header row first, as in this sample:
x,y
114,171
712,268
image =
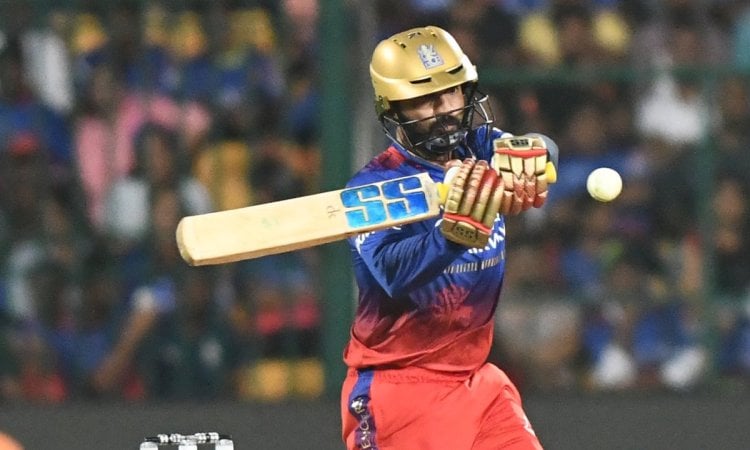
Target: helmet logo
x,y
429,56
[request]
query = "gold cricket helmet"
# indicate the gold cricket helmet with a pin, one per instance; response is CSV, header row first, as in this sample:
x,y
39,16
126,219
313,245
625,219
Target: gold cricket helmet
x,y
417,62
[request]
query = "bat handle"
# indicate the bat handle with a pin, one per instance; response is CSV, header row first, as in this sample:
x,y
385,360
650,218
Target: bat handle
x,y
551,172
553,156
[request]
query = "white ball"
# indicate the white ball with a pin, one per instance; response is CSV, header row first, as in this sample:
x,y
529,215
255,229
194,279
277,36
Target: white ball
x,y
604,184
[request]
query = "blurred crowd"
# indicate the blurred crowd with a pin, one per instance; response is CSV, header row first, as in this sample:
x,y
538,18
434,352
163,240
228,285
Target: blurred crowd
x,y
118,118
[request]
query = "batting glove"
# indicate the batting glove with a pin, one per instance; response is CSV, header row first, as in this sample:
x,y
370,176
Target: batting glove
x,y
525,165
472,203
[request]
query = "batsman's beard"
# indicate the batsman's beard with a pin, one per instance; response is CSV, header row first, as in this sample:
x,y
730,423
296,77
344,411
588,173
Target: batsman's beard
x,y
444,135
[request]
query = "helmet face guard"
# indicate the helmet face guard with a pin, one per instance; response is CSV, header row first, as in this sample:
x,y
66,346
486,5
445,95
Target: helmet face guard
x,y
447,132
419,62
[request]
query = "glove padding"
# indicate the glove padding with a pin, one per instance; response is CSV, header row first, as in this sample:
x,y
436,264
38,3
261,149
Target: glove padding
x,y
472,203
521,162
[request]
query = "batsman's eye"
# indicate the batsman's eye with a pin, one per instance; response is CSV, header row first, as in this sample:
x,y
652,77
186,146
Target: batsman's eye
x,y
392,200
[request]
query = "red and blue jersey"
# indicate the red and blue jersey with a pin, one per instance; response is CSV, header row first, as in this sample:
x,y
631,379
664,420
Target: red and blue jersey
x,y
424,301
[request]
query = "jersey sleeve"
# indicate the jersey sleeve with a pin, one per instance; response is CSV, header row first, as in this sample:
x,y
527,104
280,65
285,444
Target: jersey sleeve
x,y
401,261
481,142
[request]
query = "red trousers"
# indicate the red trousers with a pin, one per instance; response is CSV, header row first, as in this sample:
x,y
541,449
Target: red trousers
x,y
416,409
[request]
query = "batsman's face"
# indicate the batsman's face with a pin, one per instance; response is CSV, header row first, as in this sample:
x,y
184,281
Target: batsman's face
x,y
437,113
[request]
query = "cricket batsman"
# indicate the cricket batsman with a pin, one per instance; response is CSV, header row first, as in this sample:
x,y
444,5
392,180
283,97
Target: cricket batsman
x,y
418,376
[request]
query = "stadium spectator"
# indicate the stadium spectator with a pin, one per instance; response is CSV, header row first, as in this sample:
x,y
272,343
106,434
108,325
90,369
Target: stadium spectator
x,y
107,132
23,113
159,164
731,137
276,316
187,353
49,63
673,106
731,247
638,334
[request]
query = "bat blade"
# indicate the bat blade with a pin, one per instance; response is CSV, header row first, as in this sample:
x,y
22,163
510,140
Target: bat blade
x,y
302,222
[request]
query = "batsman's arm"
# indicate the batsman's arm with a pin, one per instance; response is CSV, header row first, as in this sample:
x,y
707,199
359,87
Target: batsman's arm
x,y
303,222
401,262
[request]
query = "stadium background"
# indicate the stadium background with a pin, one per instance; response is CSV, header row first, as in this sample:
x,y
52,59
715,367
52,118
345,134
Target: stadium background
x,y
625,325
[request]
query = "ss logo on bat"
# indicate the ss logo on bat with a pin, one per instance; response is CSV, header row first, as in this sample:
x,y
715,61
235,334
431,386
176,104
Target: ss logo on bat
x,y
374,204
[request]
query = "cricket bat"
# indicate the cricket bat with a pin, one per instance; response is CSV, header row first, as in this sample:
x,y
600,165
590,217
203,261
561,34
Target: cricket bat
x,y
302,222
